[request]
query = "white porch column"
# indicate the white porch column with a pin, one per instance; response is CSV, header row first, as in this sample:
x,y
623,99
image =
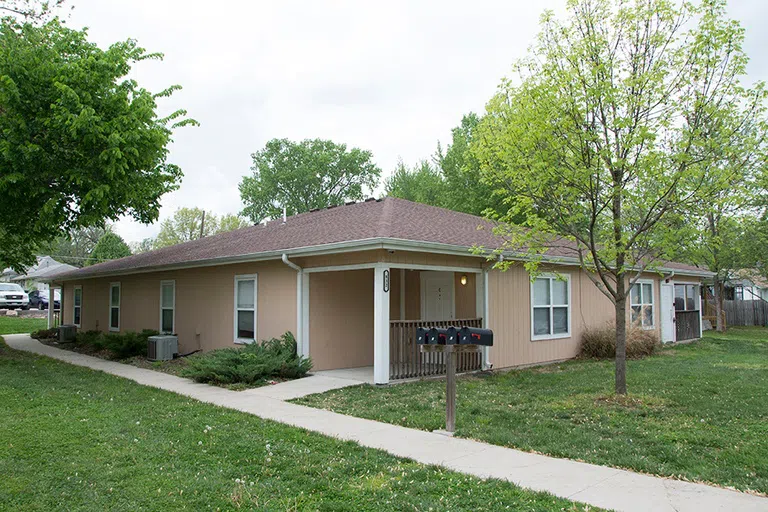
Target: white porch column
x,y
483,302
381,286
305,314
51,300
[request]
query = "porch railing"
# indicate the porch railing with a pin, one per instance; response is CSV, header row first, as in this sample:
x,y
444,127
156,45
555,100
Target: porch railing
x,y
407,361
687,325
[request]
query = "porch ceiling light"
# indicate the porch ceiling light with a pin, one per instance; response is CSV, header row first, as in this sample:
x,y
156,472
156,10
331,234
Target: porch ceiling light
x,y
464,280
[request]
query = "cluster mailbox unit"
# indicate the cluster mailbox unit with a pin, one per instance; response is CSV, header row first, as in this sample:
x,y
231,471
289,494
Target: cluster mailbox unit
x,y
452,341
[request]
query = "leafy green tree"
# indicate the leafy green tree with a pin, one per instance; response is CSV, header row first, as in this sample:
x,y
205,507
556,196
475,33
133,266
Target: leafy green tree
x,y
30,10
452,180
109,247
422,184
467,189
185,225
81,142
76,246
302,176
146,245
727,214
231,222
610,131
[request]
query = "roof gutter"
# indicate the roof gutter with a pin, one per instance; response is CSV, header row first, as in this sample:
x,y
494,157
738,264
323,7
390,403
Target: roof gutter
x,y
349,246
301,347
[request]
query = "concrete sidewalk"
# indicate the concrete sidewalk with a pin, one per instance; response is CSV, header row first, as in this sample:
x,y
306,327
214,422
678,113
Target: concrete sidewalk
x,y
597,485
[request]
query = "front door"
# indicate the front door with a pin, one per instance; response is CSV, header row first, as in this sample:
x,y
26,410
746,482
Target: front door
x,y
667,312
437,295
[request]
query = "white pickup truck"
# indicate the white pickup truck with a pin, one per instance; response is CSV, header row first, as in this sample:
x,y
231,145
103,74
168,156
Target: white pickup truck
x,y
13,296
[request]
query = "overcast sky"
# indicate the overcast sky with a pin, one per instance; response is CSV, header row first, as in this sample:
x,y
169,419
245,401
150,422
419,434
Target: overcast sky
x,y
390,77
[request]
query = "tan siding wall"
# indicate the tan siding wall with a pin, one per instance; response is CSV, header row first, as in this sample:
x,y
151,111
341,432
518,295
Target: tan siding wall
x,y
510,318
204,303
465,296
343,258
341,319
397,257
422,258
412,295
394,294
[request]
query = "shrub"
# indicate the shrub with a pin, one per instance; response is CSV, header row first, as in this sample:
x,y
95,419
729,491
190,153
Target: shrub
x,y
128,344
93,339
600,343
273,358
46,334
119,345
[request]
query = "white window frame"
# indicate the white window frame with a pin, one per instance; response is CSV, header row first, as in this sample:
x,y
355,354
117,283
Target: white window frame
x,y
642,304
74,303
696,296
254,278
119,305
167,282
552,277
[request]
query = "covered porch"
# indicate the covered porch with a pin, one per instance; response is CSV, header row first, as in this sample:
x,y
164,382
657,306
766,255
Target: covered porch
x,y
366,315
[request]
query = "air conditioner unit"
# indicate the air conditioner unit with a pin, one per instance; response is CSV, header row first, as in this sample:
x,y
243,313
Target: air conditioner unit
x,y
162,348
67,333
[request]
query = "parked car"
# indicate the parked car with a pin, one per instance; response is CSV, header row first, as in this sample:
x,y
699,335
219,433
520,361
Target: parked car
x,y
40,298
13,296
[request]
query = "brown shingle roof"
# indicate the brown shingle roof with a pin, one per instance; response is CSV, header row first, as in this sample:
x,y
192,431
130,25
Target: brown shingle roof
x,y
388,218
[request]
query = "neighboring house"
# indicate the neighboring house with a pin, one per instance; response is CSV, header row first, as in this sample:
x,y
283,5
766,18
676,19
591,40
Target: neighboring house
x,y
747,284
353,282
38,275
7,274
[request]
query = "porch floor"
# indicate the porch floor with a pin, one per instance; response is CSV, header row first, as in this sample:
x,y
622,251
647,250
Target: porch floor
x,y
362,375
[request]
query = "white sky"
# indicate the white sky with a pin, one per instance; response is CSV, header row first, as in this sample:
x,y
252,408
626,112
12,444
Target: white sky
x,y
392,77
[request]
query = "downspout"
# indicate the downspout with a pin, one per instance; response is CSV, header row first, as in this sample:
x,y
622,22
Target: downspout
x,y
487,365
299,304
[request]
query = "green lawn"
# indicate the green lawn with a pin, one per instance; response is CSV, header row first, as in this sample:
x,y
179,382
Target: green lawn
x,y
16,325
76,439
697,412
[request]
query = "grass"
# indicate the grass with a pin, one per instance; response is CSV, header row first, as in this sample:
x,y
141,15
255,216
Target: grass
x,y
696,412
19,325
76,439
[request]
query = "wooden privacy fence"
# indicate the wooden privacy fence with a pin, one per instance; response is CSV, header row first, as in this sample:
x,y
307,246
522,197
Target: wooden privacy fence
x,y
746,312
407,361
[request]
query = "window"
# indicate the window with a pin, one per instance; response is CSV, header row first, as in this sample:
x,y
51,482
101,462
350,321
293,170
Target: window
x,y
114,306
641,302
167,307
551,309
77,304
738,293
245,308
686,297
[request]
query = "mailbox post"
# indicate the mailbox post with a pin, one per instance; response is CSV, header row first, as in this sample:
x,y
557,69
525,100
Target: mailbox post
x,y
450,389
450,342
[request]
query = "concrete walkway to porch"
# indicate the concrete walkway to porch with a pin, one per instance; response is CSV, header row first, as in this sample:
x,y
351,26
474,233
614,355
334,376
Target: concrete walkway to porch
x,y
316,382
597,485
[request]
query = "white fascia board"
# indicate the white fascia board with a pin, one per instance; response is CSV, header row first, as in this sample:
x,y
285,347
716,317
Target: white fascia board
x,y
353,246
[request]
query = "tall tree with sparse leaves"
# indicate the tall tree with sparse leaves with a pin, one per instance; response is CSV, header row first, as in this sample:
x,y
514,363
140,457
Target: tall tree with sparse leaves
x,y
303,176
81,143
609,131
185,225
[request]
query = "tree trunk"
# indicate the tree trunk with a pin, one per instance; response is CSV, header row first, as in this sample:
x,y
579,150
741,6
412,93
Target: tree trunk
x,y
718,304
621,337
